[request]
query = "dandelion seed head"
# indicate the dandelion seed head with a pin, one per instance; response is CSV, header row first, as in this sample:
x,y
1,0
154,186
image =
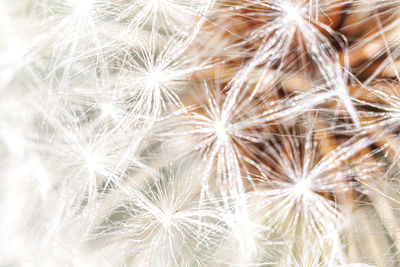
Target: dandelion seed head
x,y
125,149
93,160
302,188
155,78
166,219
221,131
292,13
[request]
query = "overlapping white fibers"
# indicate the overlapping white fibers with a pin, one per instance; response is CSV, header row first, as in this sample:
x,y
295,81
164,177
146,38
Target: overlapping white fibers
x,y
150,133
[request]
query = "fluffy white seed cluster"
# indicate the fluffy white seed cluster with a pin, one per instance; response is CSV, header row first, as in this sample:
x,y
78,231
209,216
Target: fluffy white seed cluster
x,y
199,133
